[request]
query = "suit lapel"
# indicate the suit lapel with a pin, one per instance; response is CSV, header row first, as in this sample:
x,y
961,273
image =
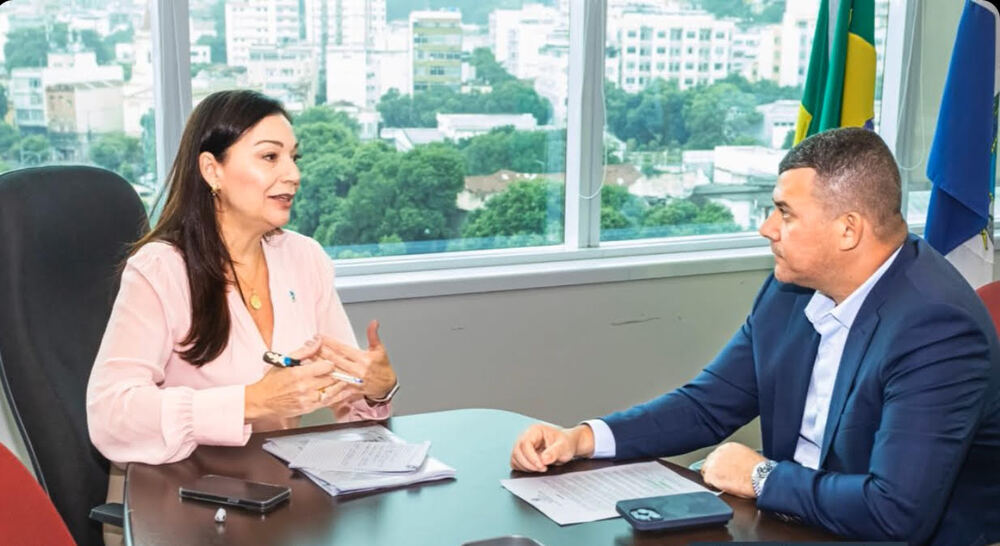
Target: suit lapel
x,y
850,362
859,339
792,383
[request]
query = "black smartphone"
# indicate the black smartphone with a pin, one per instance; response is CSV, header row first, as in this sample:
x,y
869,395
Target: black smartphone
x,y
256,496
674,511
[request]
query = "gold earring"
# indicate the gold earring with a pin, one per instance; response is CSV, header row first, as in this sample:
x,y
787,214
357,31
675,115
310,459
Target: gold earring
x,y
215,191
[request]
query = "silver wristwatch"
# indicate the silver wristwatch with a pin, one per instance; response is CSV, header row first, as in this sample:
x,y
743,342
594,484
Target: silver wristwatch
x,y
387,397
759,475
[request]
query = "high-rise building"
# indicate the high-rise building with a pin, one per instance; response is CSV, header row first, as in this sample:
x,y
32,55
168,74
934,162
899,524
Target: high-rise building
x,y
287,73
30,86
690,48
435,50
797,29
266,22
518,35
552,81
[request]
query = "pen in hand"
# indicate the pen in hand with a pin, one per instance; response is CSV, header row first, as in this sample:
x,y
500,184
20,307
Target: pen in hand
x,y
282,361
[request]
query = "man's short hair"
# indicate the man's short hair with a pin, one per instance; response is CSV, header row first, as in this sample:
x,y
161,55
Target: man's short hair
x,y
855,171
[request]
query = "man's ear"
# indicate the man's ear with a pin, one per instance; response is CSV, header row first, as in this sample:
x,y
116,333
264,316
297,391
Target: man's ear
x,y
209,168
851,226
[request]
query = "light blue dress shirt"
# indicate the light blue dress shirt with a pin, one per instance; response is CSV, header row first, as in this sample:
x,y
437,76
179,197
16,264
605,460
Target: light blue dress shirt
x,y
833,323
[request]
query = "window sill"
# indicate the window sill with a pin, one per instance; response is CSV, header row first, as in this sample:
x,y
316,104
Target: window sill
x,y
358,287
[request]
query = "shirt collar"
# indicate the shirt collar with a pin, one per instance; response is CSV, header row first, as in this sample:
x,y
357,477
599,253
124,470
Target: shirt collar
x,y
821,305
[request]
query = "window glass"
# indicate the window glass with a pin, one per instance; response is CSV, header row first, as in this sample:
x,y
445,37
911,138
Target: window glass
x,y
694,150
76,87
424,126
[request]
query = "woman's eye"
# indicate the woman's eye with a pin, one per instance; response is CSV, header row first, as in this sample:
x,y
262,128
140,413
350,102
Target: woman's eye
x,y
296,157
270,157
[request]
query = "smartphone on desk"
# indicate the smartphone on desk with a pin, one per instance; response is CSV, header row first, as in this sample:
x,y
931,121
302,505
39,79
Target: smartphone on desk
x,y
256,496
678,511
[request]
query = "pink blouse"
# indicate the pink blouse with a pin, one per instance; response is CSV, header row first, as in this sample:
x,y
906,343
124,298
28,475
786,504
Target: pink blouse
x,y
145,404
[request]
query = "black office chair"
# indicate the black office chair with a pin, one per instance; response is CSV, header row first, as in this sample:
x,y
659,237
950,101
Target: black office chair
x,y
66,230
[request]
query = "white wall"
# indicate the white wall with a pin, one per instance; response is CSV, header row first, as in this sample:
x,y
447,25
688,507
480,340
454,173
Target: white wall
x,y
560,354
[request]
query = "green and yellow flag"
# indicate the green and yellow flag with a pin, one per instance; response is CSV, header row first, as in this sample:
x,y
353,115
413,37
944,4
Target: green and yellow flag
x,y
840,85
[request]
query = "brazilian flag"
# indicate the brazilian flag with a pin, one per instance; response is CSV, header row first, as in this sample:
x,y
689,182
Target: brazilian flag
x,y
840,85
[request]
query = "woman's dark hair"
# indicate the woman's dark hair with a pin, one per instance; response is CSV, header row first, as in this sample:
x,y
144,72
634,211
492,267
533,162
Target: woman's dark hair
x,y
189,222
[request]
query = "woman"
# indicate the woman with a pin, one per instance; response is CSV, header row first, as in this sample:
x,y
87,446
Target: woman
x,y
212,287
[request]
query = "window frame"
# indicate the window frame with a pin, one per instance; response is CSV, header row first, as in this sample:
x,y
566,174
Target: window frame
x,y
582,257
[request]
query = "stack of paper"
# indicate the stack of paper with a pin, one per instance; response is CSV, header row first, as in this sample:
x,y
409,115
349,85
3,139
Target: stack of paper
x,y
358,459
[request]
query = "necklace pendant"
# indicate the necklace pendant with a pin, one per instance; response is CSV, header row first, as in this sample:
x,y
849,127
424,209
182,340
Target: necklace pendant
x,y
255,301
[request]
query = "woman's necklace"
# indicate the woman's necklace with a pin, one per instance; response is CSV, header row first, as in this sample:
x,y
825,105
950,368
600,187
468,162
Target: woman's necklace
x,y
254,302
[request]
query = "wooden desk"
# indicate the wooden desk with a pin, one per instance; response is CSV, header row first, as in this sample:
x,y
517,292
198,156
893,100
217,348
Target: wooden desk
x,y
476,442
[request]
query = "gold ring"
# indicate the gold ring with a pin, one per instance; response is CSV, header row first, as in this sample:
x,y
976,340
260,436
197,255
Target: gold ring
x,y
321,393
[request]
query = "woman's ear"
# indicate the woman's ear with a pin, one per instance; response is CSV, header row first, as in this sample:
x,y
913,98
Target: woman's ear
x,y
209,168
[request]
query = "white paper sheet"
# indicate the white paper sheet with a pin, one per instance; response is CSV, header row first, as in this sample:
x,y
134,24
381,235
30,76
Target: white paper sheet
x,y
344,456
591,495
336,483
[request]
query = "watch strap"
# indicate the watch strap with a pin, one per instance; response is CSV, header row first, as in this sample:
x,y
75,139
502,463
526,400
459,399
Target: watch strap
x,y
385,399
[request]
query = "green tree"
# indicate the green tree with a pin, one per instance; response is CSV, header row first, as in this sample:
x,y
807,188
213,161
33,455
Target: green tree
x,y
521,151
216,46
516,97
327,140
488,70
717,115
34,150
9,139
324,137
763,91
651,119
3,102
120,153
325,114
219,44
772,12
103,51
148,141
26,47
421,109
688,217
739,9
525,208
713,213
58,36
410,197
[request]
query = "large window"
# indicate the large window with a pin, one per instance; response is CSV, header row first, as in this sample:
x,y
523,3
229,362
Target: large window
x,y
421,131
444,125
77,87
698,122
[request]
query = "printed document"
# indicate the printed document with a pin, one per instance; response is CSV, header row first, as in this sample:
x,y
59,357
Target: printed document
x,y
590,495
361,456
337,482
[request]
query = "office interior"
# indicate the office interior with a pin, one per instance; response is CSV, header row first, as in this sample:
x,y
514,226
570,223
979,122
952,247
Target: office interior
x,y
577,339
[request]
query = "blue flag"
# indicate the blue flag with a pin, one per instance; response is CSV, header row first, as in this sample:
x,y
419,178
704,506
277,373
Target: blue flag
x,y
962,163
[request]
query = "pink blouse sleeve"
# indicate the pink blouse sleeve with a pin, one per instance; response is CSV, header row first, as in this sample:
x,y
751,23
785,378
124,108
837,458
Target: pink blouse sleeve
x,y
131,417
333,322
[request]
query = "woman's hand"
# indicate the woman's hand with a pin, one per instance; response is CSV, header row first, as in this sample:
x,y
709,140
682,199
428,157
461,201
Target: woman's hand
x,y
294,391
371,365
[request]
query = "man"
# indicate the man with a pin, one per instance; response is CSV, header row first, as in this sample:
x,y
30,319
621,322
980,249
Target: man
x,y
872,364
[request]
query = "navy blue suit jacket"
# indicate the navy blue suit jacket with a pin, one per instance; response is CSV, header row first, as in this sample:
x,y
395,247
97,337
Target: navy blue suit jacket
x,y
911,448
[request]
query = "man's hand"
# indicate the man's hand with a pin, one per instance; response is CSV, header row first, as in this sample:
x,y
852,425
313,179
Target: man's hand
x,y
544,445
729,467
